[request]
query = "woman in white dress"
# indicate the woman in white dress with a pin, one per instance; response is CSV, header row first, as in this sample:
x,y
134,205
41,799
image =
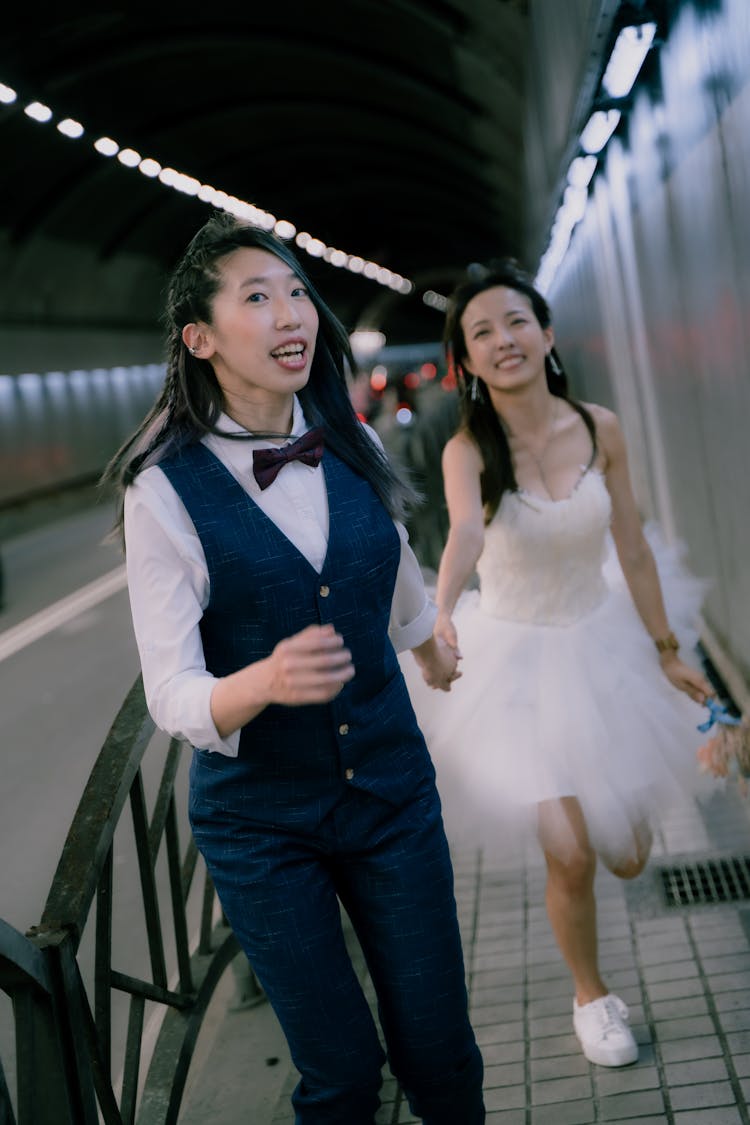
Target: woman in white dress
x,y
574,704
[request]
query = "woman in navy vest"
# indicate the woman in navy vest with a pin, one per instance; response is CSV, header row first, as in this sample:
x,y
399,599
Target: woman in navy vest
x,y
271,585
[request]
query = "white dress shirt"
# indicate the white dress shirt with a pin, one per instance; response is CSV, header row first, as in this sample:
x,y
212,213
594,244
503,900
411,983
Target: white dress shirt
x,y
169,585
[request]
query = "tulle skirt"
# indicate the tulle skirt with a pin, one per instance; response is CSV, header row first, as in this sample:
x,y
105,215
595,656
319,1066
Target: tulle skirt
x,y
544,712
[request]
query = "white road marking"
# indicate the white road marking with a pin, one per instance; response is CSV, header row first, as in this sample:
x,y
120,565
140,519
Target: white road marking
x,y
60,612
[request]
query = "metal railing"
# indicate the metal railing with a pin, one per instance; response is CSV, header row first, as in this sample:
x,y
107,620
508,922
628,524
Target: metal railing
x,y
63,1035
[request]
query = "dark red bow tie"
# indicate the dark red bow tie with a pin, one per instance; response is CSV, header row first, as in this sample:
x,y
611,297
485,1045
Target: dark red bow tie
x,y
267,463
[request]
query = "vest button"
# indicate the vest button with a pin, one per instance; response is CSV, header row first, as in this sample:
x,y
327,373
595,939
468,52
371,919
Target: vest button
x,y
324,591
349,774
344,728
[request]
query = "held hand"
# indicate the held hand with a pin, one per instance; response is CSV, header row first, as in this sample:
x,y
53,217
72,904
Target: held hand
x,y
309,667
685,678
445,631
438,663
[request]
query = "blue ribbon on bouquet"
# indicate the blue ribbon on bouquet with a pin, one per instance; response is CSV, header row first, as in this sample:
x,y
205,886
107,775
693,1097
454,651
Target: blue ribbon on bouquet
x,y
718,714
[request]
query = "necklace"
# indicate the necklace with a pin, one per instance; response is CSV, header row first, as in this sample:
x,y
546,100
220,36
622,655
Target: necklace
x,y
538,458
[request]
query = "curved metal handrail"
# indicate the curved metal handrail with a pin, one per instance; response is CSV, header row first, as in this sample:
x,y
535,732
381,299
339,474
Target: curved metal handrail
x,y
89,839
64,1040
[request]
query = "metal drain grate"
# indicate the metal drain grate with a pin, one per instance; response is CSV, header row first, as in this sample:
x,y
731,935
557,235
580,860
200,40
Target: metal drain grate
x,y
716,880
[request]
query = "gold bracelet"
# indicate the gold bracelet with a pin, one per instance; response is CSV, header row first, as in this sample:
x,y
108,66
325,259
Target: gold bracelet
x,y
667,644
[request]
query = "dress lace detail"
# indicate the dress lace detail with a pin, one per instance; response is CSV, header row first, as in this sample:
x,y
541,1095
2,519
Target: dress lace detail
x,y
543,559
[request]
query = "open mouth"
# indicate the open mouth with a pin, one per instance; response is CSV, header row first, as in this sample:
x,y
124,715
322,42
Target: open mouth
x,y
291,355
509,361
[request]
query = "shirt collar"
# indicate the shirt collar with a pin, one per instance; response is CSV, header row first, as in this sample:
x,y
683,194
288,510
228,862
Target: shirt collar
x,y
239,454
228,425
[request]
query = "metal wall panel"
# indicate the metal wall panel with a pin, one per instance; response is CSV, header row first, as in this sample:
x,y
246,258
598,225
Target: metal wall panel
x,y
59,428
566,41
661,266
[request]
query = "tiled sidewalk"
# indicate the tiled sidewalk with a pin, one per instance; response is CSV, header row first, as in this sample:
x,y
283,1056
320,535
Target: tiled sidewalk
x,y
684,972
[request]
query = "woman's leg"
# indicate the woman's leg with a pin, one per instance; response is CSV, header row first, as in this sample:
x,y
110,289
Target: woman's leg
x,y
571,906
399,894
630,866
599,1018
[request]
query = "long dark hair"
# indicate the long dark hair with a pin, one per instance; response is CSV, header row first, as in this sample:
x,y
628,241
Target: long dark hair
x,y
191,399
477,416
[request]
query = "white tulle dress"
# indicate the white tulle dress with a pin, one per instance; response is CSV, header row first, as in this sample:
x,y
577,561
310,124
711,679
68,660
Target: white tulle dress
x,y
561,693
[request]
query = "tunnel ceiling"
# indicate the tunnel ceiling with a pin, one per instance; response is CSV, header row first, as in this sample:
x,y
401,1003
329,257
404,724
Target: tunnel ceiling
x,y
392,129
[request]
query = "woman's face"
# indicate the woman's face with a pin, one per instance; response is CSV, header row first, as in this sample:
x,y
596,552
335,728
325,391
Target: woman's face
x,y
505,343
264,326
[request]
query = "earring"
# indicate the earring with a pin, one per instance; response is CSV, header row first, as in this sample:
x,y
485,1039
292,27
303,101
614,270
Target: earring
x,y
554,364
192,350
474,392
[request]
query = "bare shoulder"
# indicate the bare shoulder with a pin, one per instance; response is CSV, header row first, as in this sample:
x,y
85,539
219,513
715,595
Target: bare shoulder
x,y
608,430
602,415
462,450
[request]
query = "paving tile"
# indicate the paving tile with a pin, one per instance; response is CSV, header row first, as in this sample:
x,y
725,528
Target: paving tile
x,y
481,1016
666,928
554,1045
623,1080
505,1097
741,1065
736,1020
728,982
668,1030
554,1004
550,971
504,1074
729,963
633,1104
561,1090
726,1115
683,1050
564,1113
731,1001
696,1070
702,1095
664,953
498,960
499,1033
709,946
555,986
649,1120
494,978
667,1010
619,980
558,1066
717,922
677,970
738,1042
498,1054
550,1025
675,989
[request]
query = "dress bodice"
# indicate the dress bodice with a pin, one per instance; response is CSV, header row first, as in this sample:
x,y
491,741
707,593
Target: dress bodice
x,y
542,559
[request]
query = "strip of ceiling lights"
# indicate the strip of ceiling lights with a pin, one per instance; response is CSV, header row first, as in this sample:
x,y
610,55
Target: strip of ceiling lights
x,y
189,185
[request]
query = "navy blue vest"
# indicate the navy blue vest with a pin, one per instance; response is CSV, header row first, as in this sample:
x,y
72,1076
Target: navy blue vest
x,y
294,762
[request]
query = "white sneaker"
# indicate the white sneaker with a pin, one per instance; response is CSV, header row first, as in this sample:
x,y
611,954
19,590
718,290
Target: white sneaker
x,y
603,1032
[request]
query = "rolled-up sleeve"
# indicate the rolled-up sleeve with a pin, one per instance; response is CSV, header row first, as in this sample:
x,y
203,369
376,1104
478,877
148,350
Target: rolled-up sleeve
x,y
168,588
413,612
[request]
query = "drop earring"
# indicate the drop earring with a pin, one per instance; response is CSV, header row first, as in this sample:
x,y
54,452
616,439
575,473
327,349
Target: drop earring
x,y
554,364
474,392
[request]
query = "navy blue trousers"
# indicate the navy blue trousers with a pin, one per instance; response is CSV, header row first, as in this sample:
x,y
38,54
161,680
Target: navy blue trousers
x,y
390,868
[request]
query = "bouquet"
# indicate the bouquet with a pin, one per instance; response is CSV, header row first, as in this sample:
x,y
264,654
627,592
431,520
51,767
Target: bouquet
x,y
727,752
